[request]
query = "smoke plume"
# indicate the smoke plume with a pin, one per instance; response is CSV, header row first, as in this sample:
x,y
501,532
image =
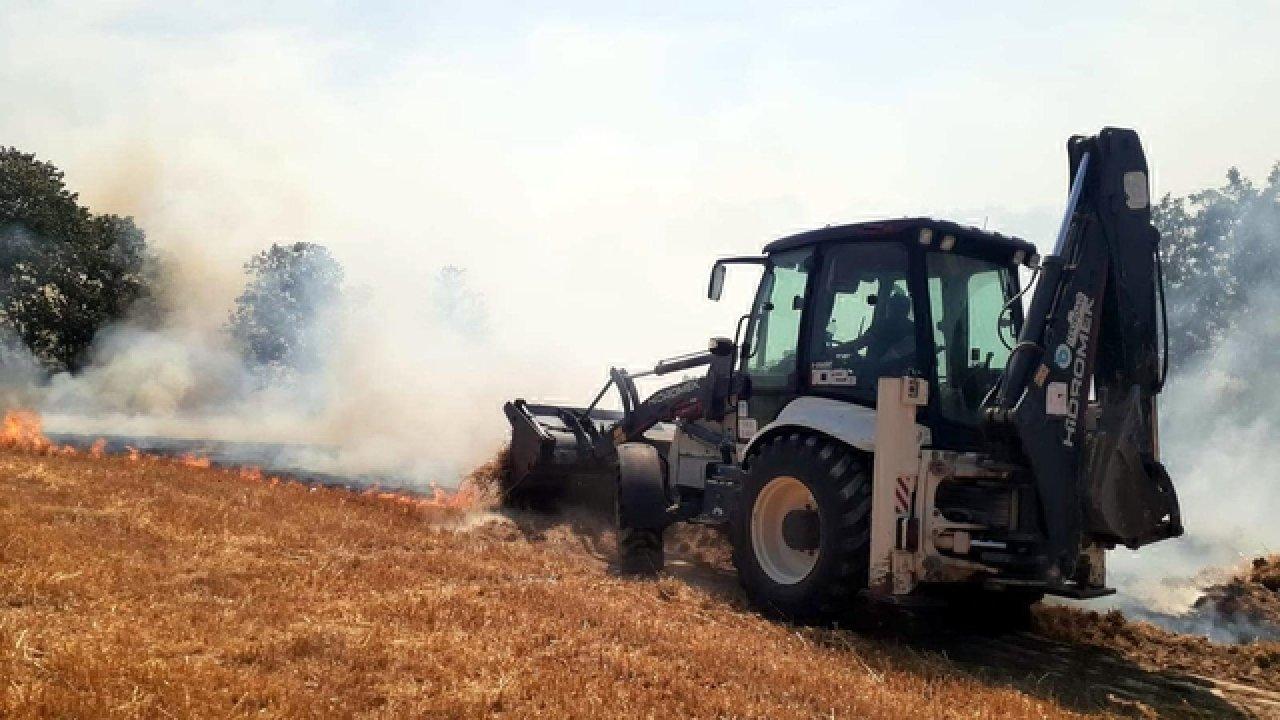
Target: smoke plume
x,y
1220,413
376,402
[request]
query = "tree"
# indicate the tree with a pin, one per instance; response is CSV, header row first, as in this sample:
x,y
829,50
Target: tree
x,y
1221,248
64,272
282,319
458,306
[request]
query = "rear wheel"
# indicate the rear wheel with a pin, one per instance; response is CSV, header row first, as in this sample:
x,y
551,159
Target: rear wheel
x,y
801,539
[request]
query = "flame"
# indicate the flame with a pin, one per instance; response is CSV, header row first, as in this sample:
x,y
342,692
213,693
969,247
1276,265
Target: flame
x,y
195,461
439,499
22,430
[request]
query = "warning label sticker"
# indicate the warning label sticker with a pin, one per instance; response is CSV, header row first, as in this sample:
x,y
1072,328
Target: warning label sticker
x,y
1055,399
824,374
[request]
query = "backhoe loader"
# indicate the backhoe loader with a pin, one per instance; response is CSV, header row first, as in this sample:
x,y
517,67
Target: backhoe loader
x,y
891,420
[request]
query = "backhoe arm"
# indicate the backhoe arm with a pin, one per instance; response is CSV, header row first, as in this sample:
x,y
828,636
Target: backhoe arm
x,y
1094,322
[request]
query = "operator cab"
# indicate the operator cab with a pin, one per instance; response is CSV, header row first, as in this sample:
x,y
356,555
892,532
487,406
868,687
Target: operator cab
x,y
840,307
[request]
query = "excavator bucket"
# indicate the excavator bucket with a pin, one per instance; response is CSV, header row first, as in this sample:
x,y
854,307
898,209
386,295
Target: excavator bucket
x,y
558,455
569,454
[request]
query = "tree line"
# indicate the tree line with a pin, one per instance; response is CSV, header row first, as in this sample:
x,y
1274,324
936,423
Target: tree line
x,y
67,273
1221,253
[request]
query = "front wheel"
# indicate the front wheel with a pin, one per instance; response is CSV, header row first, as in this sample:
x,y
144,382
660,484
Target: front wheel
x,y
641,504
801,538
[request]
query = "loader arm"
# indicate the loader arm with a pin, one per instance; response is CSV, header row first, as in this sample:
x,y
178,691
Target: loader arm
x,y
1095,322
557,446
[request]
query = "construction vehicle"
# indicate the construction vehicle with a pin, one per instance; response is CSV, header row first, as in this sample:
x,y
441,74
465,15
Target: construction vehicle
x,y
890,421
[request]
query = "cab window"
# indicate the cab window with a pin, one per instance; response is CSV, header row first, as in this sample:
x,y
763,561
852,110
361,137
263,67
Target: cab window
x,y
973,333
864,320
779,306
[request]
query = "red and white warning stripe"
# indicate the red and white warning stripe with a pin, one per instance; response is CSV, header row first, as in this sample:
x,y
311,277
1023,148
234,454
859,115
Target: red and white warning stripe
x,y
902,495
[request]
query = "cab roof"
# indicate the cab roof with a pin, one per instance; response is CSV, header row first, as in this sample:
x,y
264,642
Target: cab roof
x,y
971,238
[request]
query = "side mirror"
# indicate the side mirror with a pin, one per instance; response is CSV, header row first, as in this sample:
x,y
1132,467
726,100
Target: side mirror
x,y
716,287
720,346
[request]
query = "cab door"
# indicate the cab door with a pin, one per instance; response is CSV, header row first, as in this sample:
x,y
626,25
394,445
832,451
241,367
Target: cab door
x,y
771,358
863,323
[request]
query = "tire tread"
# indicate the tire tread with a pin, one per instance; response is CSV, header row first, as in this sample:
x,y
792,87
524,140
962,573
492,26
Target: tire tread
x,y
845,478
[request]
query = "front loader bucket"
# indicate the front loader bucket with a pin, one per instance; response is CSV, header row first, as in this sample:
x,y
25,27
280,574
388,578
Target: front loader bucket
x,y
557,457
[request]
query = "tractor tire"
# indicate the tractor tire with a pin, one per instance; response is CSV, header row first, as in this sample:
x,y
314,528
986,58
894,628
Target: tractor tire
x,y
640,509
640,551
802,535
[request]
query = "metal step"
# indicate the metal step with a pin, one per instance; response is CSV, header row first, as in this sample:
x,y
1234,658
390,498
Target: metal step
x,y
1075,591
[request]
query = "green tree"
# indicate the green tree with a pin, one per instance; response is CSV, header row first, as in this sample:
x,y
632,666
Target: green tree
x,y
65,273
282,319
1221,248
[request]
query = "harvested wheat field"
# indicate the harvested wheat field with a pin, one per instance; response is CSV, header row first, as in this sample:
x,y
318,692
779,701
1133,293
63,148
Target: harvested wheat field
x,y
150,588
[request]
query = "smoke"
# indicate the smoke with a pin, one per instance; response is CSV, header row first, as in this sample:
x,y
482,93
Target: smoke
x,y
458,307
1219,416
1219,424
20,374
376,401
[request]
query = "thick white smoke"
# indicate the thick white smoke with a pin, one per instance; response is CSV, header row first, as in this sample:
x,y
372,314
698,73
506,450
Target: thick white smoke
x,y
1220,421
1220,413
409,394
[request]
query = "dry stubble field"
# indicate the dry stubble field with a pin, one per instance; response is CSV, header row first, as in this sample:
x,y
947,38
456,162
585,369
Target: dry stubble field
x,y
146,588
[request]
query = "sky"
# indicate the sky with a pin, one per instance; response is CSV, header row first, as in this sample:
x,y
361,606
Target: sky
x,y
585,162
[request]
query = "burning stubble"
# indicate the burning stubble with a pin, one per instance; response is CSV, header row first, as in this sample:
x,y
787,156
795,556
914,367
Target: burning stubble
x,y
22,431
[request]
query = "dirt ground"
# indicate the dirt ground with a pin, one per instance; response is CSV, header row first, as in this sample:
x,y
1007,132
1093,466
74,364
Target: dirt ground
x,y
152,588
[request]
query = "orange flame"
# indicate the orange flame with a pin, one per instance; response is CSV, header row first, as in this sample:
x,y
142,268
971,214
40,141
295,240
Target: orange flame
x,y
22,430
191,460
464,498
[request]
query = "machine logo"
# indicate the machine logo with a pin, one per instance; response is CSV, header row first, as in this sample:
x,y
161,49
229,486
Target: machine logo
x,y
1079,325
1062,356
670,392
